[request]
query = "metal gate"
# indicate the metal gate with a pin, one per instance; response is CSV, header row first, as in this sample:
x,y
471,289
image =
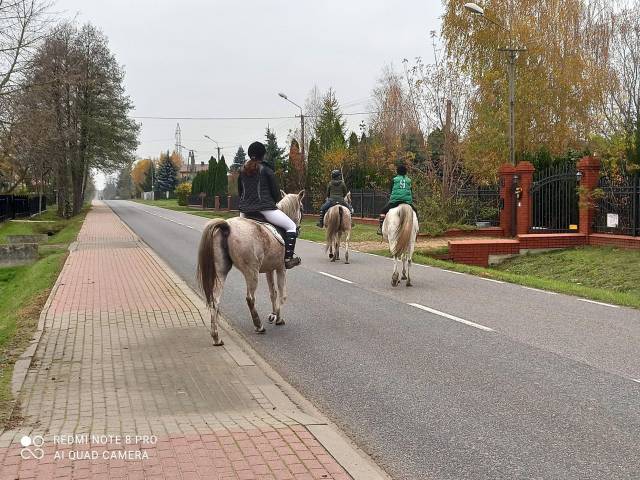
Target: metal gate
x,y
555,200
618,207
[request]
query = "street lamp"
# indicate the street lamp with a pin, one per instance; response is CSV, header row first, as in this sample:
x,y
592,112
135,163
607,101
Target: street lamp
x,y
284,96
217,145
512,52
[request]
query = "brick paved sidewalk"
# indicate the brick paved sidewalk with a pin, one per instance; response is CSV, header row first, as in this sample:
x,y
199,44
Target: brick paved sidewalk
x,y
126,352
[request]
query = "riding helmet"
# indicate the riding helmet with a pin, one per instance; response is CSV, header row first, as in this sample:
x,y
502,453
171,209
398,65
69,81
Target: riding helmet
x,y
256,150
336,174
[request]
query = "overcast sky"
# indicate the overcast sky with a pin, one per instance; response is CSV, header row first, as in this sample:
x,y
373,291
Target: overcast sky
x,y
231,58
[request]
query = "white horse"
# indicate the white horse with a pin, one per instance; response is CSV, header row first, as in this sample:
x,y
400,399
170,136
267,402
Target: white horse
x,y
337,220
252,249
400,228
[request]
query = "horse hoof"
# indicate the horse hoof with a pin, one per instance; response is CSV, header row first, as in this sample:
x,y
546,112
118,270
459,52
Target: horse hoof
x,y
272,317
280,321
409,284
261,330
219,344
346,262
404,277
331,255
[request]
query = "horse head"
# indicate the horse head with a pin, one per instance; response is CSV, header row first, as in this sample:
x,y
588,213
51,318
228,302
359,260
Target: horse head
x,y
291,205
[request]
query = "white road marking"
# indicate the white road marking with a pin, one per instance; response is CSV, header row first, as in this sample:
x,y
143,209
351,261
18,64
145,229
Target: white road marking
x,y
451,271
598,303
452,317
491,280
539,290
340,279
637,380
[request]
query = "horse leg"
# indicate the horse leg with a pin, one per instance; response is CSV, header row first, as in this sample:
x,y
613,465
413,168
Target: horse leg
x,y
409,284
346,245
337,247
331,252
395,277
251,278
273,293
404,267
282,293
215,311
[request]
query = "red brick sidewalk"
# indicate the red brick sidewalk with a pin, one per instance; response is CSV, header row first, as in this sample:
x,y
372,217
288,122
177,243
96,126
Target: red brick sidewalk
x,y
125,352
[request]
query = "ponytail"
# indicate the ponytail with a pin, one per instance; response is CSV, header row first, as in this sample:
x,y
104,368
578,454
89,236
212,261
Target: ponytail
x,y
250,167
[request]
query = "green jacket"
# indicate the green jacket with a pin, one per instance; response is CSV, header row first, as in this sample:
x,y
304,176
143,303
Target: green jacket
x,y
401,190
336,190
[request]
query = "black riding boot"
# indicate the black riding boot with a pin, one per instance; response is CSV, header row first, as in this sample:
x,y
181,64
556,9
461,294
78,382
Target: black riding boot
x,y
321,221
381,221
289,247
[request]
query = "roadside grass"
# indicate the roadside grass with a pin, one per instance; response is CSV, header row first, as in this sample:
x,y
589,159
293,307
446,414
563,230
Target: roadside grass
x,y
308,229
59,231
23,293
603,274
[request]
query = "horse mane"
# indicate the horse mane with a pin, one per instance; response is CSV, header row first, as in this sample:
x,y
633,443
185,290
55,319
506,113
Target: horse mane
x,y
404,231
290,206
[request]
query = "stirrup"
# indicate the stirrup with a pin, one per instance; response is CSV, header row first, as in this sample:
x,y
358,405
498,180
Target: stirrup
x,y
292,262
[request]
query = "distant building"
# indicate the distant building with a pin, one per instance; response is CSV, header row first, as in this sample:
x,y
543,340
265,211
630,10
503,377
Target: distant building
x,y
189,170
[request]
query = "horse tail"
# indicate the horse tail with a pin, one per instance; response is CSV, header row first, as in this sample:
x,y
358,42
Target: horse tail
x,y
404,231
333,227
213,248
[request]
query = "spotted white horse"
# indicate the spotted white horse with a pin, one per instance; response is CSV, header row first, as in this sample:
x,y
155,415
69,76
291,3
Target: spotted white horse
x,y
400,228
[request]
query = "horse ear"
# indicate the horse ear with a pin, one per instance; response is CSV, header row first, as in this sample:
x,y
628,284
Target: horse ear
x,y
283,193
301,195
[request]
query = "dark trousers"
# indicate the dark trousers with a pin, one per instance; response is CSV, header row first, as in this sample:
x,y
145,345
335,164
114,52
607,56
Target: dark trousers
x,y
391,205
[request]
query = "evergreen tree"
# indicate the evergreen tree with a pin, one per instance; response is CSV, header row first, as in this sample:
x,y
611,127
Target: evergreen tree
x,y
330,129
125,185
212,171
353,142
167,175
275,154
147,185
238,160
222,182
315,182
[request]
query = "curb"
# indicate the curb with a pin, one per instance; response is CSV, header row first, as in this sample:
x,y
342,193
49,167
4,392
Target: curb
x,y
284,397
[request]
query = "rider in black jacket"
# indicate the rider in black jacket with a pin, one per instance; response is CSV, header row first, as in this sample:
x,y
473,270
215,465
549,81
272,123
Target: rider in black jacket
x,y
259,192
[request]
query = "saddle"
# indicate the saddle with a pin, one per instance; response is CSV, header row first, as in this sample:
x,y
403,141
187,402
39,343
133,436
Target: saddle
x,y
276,231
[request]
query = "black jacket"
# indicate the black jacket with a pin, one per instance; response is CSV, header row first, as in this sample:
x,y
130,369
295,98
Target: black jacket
x,y
258,192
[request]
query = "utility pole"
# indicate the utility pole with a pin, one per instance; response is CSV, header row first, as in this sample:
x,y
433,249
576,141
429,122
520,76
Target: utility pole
x,y
304,163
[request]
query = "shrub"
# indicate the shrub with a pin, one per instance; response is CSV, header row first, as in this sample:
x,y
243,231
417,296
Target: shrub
x,y
182,193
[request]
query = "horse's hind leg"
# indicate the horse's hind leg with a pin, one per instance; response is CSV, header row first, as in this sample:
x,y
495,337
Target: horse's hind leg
x,y
409,284
404,267
251,278
395,277
273,293
346,246
215,310
337,257
282,293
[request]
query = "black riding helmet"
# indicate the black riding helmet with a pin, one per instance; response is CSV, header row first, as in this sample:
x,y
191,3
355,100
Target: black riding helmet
x,y
401,170
336,174
256,151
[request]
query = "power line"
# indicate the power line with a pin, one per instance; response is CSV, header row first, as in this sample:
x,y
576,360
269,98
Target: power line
x,y
150,117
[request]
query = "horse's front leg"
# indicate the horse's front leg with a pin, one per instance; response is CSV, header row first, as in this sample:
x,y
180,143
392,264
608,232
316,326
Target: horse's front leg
x,y
395,277
281,277
251,278
273,293
346,246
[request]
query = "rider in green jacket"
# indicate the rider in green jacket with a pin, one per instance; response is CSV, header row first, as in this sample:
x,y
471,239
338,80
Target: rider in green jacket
x,y
401,192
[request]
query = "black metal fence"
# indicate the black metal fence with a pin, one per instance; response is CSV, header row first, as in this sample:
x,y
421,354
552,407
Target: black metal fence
x,y
480,206
19,206
618,205
554,199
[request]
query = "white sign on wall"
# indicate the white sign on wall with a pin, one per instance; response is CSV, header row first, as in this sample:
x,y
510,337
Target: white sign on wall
x,y
612,220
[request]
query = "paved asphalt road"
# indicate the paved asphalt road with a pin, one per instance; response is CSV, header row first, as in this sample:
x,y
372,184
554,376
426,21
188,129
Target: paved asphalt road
x,y
539,385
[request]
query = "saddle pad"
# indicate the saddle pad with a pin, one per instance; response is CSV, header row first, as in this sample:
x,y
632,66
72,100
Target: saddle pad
x,y
273,231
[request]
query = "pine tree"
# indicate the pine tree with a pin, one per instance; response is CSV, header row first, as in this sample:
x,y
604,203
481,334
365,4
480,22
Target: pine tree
x,y
198,184
147,185
167,175
314,183
353,142
222,182
212,171
275,155
238,160
330,128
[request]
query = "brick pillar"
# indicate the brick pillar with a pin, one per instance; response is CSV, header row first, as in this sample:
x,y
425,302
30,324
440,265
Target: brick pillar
x,y
506,173
525,171
590,169
228,202
216,202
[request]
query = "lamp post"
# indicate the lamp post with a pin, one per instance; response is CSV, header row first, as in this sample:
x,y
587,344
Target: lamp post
x,y
282,95
217,145
512,53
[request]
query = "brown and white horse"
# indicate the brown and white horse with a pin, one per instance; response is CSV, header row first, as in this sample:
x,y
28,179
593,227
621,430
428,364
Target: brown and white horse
x,y
337,221
400,228
252,249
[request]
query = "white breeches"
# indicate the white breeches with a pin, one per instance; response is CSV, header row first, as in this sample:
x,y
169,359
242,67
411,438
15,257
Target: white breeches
x,y
279,218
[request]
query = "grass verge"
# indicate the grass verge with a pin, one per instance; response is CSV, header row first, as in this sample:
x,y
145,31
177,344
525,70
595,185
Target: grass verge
x,y
603,274
23,293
